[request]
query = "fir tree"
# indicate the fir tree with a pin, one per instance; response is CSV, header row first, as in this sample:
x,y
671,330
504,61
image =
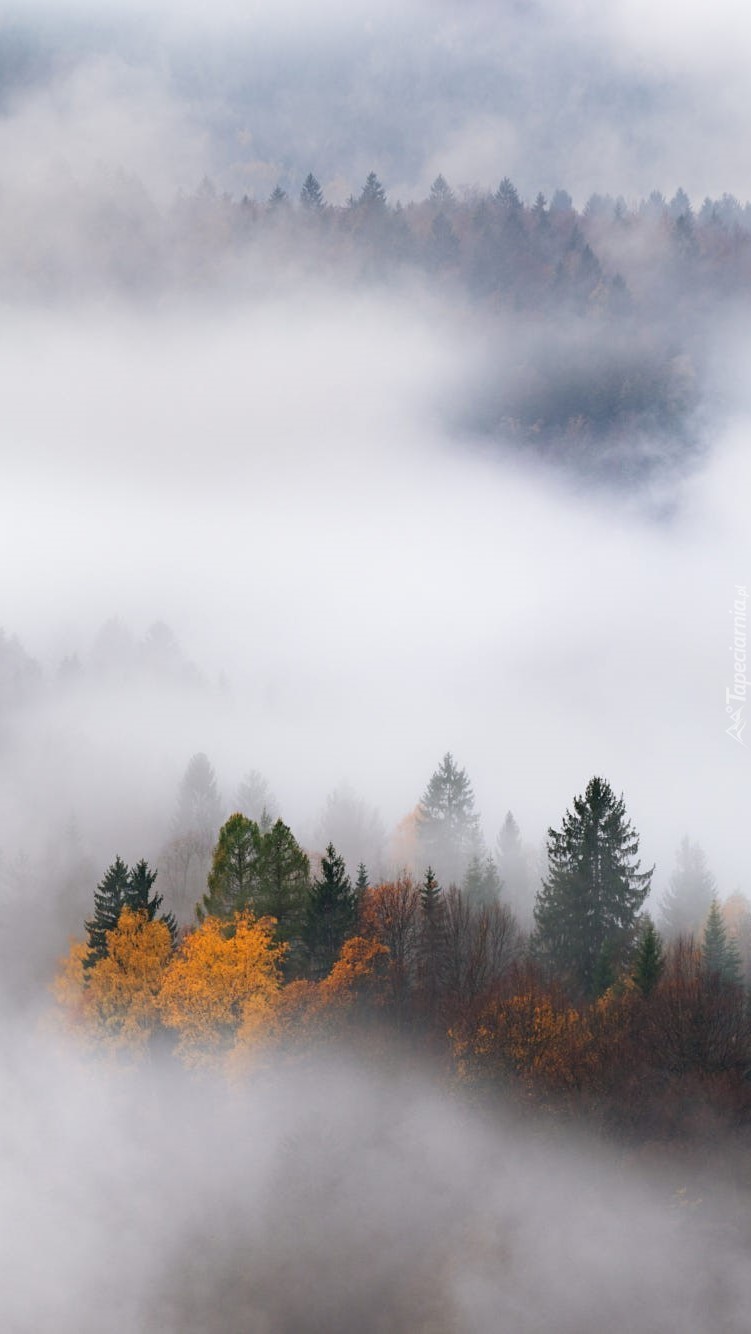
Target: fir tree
x,y
109,900
482,883
441,193
430,893
362,882
594,889
649,960
311,195
138,896
283,883
513,869
372,194
447,825
690,893
331,913
431,944
719,951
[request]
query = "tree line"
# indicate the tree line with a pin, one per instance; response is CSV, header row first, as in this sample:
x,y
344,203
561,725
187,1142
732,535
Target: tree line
x,y
590,1001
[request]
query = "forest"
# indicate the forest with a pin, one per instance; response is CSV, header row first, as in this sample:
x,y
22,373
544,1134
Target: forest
x,y
375,923
582,1007
610,307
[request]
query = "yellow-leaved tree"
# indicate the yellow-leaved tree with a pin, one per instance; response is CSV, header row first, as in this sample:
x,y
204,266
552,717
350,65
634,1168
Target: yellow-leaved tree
x,y
115,1002
225,977
123,989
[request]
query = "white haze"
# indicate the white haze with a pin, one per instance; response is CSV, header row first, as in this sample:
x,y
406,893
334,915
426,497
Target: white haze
x,y
325,1199
279,474
282,485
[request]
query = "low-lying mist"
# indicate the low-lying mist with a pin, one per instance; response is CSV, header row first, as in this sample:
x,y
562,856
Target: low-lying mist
x,y
360,584
329,1198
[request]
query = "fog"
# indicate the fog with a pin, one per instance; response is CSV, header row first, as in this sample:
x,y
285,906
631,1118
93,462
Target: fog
x,y
286,488
305,473
327,1199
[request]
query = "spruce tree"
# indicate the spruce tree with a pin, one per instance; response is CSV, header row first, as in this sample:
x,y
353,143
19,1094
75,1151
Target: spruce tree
x,y
372,194
362,882
482,883
447,825
109,900
719,951
690,893
282,886
331,913
139,898
311,195
431,943
587,909
649,960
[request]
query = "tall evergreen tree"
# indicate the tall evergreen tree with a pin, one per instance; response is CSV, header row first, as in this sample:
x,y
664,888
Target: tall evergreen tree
x,y
690,893
255,800
431,944
441,193
283,882
234,869
331,913
590,900
362,882
447,824
372,194
311,195
482,883
513,869
109,900
138,896
649,960
719,951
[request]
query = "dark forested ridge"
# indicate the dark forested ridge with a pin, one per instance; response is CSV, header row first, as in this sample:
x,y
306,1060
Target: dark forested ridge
x,y
593,320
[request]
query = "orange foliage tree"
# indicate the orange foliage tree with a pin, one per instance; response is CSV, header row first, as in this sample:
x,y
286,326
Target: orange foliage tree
x,y
225,978
116,1001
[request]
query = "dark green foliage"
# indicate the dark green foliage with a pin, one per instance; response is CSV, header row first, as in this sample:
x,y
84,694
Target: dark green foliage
x,y
331,913
649,961
311,195
447,824
109,900
139,898
123,888
430,893
362,882
283,881
719,951
482,883
233,874
593,891
431,945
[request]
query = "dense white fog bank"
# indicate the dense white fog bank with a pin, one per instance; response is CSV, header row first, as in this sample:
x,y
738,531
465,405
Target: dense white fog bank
x,y
361,588
331,1199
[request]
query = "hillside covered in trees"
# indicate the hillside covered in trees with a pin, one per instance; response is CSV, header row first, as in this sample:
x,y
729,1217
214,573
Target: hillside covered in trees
x,y
596,321
589,1009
